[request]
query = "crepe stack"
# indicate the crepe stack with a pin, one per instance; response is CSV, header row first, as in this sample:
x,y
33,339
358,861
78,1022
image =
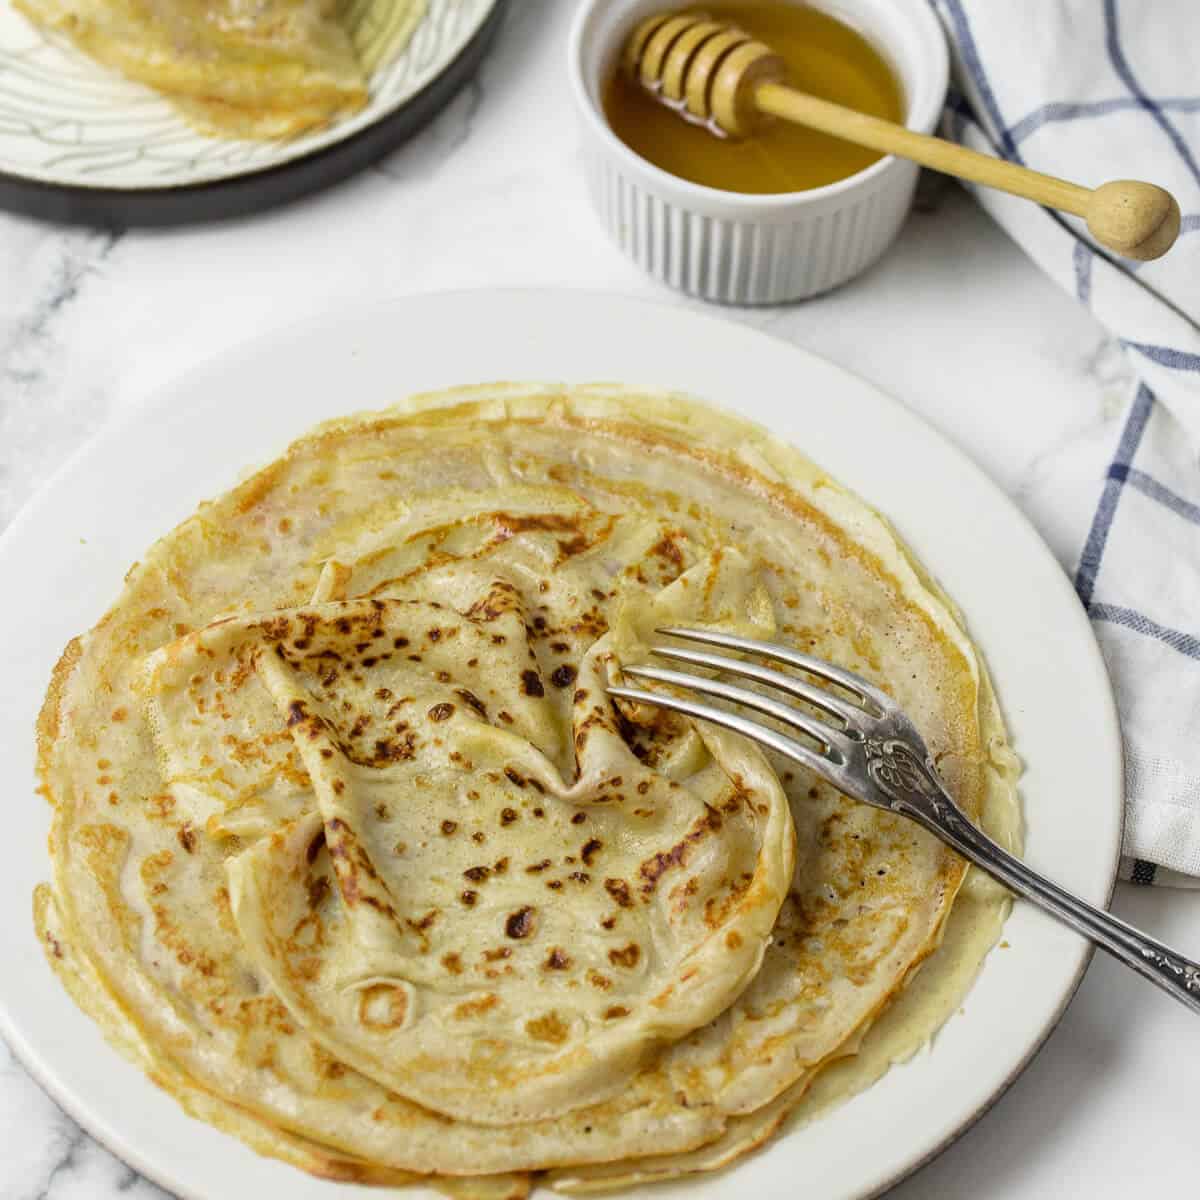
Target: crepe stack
x,y
354,855
241,68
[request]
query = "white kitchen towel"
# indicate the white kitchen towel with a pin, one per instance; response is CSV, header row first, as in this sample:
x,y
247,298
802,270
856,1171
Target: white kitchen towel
x,y
1094,90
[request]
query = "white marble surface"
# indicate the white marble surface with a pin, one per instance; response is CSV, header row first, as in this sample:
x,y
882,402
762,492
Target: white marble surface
x,y
954,321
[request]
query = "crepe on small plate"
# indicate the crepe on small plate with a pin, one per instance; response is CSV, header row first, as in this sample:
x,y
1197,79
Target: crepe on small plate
x,y
241,68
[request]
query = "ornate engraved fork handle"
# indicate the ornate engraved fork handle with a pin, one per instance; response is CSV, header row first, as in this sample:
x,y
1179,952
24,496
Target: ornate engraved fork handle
x,y
910,785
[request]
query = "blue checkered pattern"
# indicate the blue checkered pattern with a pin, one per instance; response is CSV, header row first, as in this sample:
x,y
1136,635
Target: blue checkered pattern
x,y
1095,90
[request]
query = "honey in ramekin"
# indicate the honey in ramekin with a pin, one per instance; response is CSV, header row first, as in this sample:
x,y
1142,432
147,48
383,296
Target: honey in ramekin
x,y
824,57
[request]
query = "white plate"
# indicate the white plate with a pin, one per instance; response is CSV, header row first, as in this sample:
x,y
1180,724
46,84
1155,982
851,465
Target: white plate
x,y
65,119
64,557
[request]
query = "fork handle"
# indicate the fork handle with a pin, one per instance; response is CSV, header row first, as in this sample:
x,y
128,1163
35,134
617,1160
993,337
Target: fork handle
x,y
916,791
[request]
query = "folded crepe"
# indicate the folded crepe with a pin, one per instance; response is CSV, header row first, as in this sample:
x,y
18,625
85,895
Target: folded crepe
x,y
241,68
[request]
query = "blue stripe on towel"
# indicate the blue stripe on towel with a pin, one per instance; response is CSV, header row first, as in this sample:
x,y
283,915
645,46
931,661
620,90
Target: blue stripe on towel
x,y
1165,356
1128,618
1122,68
1048,114
1083,271
973,63
1149,486
1093,550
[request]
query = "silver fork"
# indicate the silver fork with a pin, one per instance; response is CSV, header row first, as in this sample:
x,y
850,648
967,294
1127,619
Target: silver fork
x,y
869,750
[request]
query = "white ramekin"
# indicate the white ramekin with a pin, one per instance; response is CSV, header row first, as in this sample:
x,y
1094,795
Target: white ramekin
x,y
741,249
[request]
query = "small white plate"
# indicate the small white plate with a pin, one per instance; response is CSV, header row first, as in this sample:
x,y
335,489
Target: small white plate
x,y
64,557
80,143
65,119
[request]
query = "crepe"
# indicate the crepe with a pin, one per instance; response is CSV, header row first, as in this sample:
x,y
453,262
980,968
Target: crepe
x,y
80,981
574,522
242,68
77,976
506,870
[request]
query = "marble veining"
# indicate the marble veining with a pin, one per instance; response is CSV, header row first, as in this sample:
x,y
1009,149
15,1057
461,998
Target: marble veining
x,y
43,290
44,1155
954,321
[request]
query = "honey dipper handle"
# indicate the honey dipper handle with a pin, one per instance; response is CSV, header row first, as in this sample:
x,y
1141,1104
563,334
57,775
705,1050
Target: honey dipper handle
x,y
1136,220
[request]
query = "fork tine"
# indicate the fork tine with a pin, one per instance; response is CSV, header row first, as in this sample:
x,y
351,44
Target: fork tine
x,y
855,684
791,684
834,740
779,742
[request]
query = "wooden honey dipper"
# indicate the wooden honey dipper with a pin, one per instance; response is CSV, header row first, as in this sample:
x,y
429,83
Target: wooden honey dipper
x,y
715,74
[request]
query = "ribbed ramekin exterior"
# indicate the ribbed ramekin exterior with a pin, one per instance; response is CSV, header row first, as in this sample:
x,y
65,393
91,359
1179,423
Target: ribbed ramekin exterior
x,y
764,259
